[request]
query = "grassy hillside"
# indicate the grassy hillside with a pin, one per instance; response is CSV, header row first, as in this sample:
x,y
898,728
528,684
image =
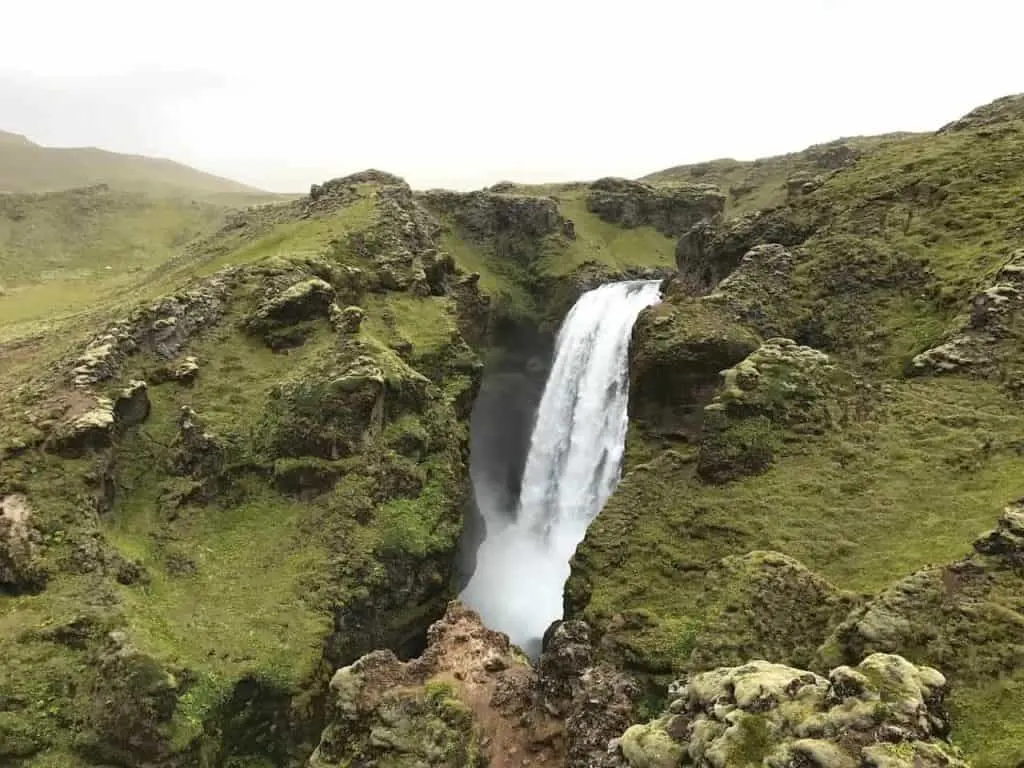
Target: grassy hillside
x,y
64,252
756,184
29,167
880,461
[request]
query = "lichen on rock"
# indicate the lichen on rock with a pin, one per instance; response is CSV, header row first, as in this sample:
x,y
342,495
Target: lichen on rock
x,y
777,716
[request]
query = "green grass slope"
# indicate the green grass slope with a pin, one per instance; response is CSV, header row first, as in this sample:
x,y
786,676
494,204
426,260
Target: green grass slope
x,y
756,184
29,167
64,251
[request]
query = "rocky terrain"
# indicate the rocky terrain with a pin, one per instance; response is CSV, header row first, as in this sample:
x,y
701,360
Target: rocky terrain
x,y
234,489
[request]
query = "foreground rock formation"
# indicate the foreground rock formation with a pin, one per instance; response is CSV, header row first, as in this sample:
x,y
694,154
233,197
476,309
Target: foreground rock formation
x,y
883,713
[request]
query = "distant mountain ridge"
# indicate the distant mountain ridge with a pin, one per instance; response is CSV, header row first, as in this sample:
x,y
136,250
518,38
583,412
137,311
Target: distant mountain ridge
x,y
29,167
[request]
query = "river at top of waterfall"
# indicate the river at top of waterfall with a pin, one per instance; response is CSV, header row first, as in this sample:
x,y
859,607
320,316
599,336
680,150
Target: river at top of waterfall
x,y
572,467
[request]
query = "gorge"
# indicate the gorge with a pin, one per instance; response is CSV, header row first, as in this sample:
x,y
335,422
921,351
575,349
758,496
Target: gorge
x,y
237,472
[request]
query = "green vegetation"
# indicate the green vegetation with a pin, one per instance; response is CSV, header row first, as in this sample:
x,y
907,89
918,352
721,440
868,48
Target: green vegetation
x,y
607,244
28,167
759,184
903,473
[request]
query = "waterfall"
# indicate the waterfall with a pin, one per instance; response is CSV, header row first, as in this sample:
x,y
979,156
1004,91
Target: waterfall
x,y
571,468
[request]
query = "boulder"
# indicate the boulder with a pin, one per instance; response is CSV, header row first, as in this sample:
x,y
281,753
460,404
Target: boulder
x,y
305,300
883,712
20,569
195,451
347,320
90,431
132,405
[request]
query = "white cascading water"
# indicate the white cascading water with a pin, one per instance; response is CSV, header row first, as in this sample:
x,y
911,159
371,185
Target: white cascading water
x,y
571,469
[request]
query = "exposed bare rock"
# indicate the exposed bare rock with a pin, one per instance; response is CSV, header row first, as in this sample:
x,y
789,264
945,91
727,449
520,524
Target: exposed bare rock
x,y
162,328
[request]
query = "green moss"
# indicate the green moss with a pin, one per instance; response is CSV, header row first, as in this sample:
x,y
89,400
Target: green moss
x,y
940,452
986,719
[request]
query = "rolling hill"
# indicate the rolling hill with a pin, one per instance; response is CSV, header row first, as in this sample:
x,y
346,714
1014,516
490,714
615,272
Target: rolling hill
x,y
29,167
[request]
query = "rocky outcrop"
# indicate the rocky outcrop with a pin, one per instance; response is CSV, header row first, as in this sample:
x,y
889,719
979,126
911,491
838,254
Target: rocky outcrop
x,y
347,320
504,218
596,702
162,328
990,335
304,300
90,430
1006,540
133,700
780,388
196,452
672,210
709,251
132,405
759,292
885,712
335,409
764,605
992,114
403,246
467,701
965,616
677,352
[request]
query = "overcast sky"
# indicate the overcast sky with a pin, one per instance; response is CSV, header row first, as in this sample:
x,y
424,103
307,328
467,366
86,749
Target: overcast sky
x,y
463,93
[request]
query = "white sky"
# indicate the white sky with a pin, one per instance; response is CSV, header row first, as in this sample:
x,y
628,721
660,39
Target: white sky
x,y
463,93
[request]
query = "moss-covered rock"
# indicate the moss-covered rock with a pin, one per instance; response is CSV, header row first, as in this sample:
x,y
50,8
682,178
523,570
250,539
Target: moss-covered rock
x,y
466,699
884,712
336,408
677,351
301,301
759,292
989,338
711,250
21,569
133,701
672,210
780,388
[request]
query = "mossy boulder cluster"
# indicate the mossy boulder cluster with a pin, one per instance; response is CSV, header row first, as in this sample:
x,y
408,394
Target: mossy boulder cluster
x,y
885,712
